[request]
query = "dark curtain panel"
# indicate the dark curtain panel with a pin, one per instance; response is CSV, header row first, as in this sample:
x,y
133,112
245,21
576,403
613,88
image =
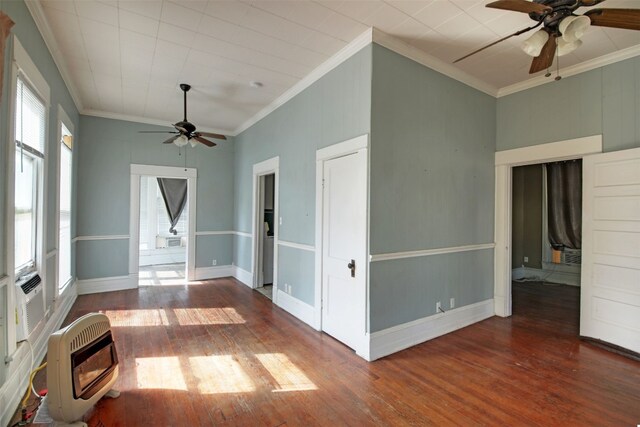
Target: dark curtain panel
x,y
564,203
174,193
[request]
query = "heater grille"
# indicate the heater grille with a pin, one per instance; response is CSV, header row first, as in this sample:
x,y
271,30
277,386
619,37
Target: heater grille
x,y
88,335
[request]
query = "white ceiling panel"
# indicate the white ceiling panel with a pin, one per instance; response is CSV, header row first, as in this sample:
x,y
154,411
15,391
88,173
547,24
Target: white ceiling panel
x,y
129,56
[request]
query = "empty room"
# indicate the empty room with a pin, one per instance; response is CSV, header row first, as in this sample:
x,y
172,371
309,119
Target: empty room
x,y
174,174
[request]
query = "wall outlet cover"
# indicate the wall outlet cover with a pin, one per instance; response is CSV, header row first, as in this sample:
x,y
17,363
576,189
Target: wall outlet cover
x,y
214,262
452,303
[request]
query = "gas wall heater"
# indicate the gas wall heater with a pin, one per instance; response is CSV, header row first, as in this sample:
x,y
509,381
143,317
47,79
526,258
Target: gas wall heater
x,y
29,305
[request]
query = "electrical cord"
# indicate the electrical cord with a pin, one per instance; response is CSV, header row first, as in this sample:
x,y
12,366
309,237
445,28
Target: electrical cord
x,y
31,366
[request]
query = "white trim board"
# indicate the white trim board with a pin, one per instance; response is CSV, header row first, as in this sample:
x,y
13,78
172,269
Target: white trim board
x,y
205,273
107,284
294,245
428,252
552,151
297,308
51,253
11,391
112,237
213,233
243,276
396,338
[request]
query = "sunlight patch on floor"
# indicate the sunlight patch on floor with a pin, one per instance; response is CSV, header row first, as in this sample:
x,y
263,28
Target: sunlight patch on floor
x,y
220,374
159,373
288,376
207,316
127,318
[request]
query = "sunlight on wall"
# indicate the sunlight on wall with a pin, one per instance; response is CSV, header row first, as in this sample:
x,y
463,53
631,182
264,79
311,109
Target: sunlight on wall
x,y
207,316
176,316
160,373
220,374
125,318
288,376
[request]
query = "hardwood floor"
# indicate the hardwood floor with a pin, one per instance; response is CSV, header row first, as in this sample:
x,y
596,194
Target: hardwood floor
x,y
220,354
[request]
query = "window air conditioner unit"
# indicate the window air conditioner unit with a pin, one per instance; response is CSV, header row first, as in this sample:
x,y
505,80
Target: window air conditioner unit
x,y
168,242
29,305
572,256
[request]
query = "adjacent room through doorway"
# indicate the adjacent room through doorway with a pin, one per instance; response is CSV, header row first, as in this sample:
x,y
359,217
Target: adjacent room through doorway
x,y
164,213
547,243
267,192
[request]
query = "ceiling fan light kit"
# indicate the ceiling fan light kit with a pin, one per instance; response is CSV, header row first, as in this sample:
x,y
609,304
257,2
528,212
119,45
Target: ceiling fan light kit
x,y
562,28
534,44
573,27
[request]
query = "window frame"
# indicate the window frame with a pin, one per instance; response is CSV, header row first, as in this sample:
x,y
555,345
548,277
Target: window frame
x,y
22,64
63,120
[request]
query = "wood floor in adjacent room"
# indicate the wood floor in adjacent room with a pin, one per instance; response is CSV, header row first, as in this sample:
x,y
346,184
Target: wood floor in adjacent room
x,y
217,353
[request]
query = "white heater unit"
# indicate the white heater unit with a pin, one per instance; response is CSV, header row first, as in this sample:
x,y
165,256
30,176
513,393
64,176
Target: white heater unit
x,y
29,305
169,242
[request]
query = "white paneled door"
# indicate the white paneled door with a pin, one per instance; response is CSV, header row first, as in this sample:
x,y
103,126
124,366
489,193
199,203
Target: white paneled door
x,y
344,236
610,300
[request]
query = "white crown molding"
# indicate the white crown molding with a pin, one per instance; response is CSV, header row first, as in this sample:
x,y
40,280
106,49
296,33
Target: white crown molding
x,y
147,120
35,8
423,58
583,67
343,54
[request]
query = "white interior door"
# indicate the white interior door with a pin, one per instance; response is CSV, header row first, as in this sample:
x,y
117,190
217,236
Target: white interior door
x,y
344,237
610,300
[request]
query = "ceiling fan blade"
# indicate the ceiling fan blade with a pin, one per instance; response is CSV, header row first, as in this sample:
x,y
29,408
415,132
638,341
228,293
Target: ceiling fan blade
x,y
545,59
170,140
180,128
205,141
589,3
156,131
211,135
517,33
520,6
628,19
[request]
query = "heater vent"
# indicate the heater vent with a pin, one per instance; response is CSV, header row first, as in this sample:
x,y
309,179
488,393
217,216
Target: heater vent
x,y
88,335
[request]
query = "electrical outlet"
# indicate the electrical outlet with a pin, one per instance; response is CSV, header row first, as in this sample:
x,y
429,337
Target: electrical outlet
x,y
286,288
452,302
280,221
438,307
214,262
526,259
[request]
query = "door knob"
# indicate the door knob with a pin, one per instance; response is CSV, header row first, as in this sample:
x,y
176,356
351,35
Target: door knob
x,y
352,266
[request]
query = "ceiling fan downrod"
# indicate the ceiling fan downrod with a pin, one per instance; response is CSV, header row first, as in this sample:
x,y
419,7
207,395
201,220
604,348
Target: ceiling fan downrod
x,y
185,88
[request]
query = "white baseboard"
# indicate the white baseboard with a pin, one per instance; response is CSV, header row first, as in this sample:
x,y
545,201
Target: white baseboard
x,y
203,273
297,308
107,284
16,382
403,336
243,276
547,275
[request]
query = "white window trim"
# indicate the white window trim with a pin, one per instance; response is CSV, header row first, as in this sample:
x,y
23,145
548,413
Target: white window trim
x,y
63,119
23,64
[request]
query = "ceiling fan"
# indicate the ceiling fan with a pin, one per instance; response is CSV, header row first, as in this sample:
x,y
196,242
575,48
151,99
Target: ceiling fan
x,y
561,27
185,132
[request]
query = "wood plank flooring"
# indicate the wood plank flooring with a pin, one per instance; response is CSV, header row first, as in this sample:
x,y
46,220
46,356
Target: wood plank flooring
x,y
219,354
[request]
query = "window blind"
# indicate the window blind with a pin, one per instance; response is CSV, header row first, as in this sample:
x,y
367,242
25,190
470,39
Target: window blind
x,y
30,125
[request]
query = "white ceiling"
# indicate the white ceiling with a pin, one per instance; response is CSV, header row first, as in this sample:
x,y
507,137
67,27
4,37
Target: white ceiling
x,y
127,57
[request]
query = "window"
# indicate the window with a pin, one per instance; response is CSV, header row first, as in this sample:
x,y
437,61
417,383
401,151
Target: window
x,y
64,238
30,128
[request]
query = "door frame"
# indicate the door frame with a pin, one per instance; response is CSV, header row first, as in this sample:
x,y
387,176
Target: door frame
x,y
322,155
138,171
267,167
505,161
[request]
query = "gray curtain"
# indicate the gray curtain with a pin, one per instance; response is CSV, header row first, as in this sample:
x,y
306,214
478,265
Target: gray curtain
x,y
174,193
564,204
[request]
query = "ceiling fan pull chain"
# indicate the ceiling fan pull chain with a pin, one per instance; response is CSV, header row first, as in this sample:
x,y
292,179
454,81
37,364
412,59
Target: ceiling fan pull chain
x,y
548,73
558,77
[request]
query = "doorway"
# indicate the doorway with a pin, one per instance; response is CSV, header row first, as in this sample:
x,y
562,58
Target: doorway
x,y
164,221
162,225
265,228
546,243
506,161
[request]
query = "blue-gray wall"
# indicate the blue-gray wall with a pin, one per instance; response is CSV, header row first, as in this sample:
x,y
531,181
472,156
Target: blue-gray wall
x,y
28,34
109,148
602,101
333,109
432,186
